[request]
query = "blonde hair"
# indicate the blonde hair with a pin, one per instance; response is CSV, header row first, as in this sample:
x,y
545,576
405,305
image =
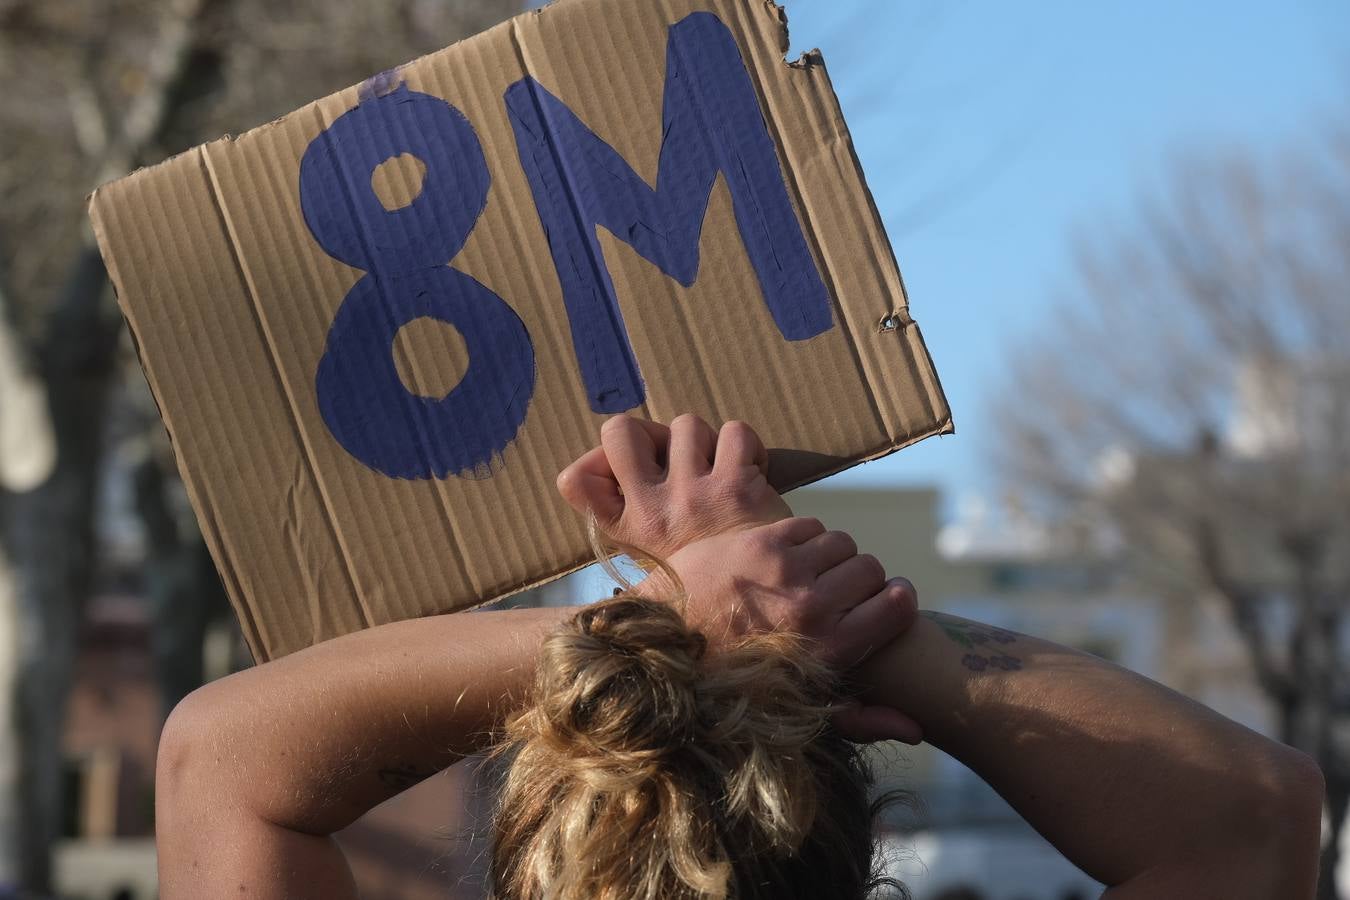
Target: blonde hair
x,y
646,767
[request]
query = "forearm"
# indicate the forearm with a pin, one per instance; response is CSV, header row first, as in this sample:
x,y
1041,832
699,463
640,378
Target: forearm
x,y
311,741
1123,775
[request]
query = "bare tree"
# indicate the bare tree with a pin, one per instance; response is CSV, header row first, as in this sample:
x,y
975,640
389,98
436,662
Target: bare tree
x,y
1190,398
27,456
98,88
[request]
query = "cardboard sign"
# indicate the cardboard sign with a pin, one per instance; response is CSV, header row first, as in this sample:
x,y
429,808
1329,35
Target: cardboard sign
x,y
379,327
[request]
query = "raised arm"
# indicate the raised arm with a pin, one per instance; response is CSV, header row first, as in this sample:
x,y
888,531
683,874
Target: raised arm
x,y
1144,789
256,771
1149,792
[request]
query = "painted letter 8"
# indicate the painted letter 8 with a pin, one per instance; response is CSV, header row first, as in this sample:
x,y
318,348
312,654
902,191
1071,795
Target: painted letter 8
x,y
406,254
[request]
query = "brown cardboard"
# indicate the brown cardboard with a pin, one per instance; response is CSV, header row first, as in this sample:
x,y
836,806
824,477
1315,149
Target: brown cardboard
x,y
230,298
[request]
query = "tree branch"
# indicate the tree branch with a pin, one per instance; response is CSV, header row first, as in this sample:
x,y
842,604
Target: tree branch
x,y
88,119
27,446
166,68
1243,603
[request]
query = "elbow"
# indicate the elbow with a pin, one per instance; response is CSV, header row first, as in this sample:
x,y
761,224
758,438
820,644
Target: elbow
x,y
1290,824
1262,841
1300,801
184,745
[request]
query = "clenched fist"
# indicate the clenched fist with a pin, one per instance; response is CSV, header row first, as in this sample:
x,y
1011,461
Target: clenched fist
x,y
659,488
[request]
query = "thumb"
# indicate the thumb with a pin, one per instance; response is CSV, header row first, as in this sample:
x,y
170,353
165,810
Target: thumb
x,y
867,724
588,484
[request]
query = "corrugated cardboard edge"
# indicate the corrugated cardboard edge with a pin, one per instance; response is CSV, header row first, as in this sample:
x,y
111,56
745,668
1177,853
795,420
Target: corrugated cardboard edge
x,y
201,504
906,327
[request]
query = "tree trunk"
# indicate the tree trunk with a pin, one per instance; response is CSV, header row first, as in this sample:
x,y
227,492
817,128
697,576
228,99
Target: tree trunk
x,y
27,455
181,583
49,532
1338,802
11,775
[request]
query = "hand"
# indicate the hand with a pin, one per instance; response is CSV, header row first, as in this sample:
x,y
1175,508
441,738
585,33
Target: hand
x,y
795,576
669,490
659,488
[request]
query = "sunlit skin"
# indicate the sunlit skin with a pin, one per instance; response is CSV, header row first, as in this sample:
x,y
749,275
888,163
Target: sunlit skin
x,y
1145,790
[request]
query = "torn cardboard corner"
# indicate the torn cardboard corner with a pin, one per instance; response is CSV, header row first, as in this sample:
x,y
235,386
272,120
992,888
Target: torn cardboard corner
x,y
379,327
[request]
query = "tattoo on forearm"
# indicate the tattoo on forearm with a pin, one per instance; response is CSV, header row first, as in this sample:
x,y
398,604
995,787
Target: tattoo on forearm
x,y
985,643
403,776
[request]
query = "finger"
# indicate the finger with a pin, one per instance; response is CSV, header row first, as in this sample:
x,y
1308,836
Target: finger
x,y
795,530
866,724
658,432
635,448
874,623
738,445
589,484
693,444
825,551
851,583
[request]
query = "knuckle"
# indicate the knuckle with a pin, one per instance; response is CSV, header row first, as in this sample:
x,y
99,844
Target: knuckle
x,y
723,494
716,504
778,569
765,540
802,571
685,420
812,524
687,510
843,540
736,430
872,567
615,423
650,520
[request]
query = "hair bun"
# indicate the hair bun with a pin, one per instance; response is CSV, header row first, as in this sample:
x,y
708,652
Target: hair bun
x,y
622,681
645,769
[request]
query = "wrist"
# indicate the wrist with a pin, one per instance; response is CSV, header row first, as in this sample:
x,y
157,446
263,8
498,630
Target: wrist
x,y
920,673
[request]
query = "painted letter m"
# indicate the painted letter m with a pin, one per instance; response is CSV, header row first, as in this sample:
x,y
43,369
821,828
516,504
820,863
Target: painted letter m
x,y
711,123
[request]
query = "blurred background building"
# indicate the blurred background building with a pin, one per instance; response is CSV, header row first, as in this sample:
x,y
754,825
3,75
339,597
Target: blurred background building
x,y
1125,230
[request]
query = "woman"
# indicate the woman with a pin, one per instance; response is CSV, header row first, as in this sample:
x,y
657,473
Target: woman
x,y
1145,790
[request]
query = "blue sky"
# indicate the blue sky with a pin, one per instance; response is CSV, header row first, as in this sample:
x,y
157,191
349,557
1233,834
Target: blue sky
x,y
990,131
